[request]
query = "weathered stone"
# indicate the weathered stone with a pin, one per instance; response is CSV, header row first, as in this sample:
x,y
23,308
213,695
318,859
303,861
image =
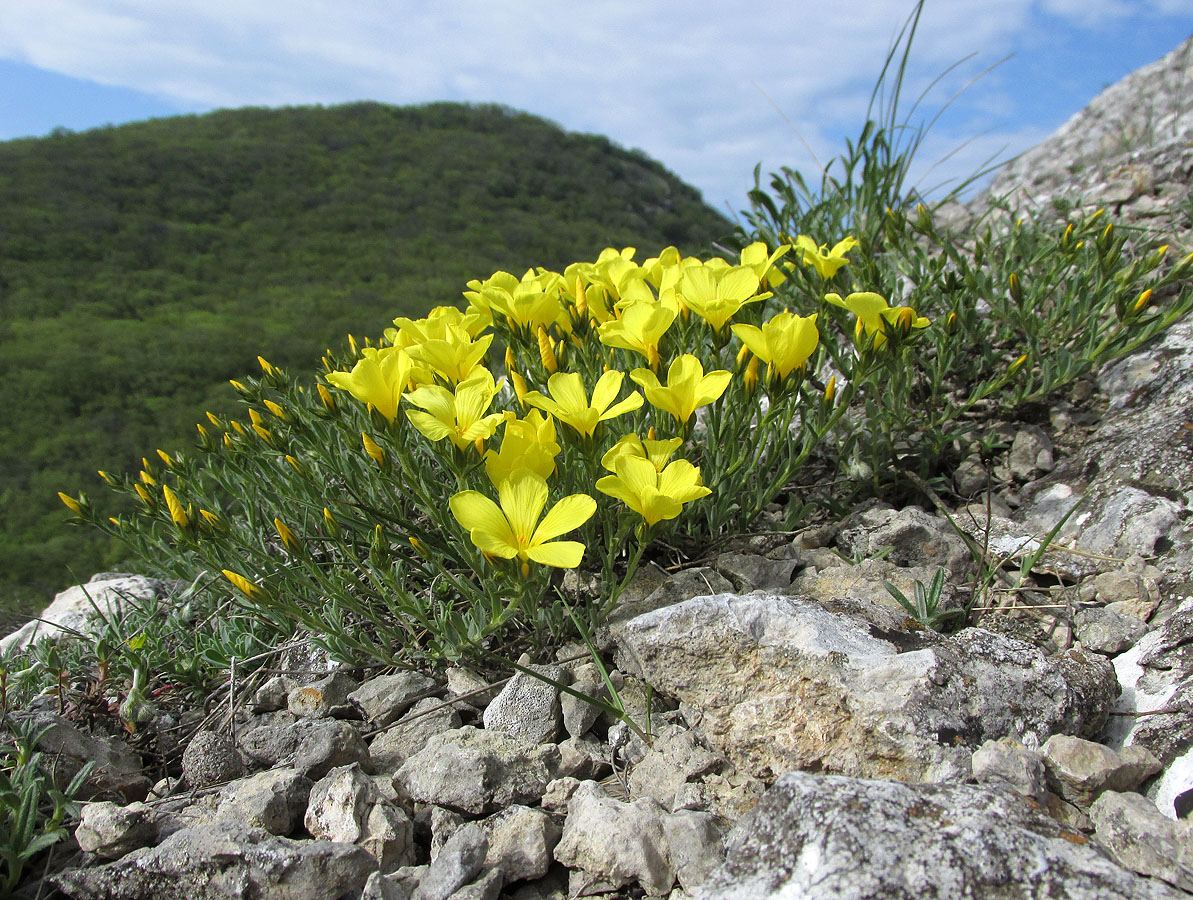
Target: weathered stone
x,y
1007,763
616,843
109,831
675,756
339,803
1104,631
1141,838
384,699
79,608
849,839
326,744
478,772
781,683
521,840
399,885
66,749
696,845
444,823
389,836
274,800
866,582
1031,453
908,537
527,707
1079,770
321,698
753,572
210,758
272,695
580,715
410,734
458,863
225,862
486,887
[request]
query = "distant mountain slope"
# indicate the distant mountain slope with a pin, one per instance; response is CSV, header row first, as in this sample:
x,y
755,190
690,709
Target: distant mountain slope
x,y
142,266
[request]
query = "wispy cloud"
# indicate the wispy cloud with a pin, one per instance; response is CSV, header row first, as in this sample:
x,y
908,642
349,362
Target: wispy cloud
x,y
710,88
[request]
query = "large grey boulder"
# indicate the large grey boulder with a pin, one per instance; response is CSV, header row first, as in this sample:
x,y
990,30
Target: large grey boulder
x,y
225,862
783,683
81,607
836,838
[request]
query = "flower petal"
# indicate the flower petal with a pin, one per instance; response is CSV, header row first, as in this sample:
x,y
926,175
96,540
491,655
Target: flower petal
x,y
566,515
561,554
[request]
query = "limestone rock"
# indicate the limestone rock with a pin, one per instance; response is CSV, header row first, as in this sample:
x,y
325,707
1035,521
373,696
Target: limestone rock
x,y
110,831
274,800
521,841
616,843
210,758
849,839
458,863
225,862
384,699
75,608
478,772
781,683
1007,763
1143,839
527,707
1080,770
321,698
117,770
407,736
909,536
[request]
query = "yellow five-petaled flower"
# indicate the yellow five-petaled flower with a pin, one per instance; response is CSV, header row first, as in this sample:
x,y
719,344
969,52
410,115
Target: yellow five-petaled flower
x,y
569,402
687,388
514,529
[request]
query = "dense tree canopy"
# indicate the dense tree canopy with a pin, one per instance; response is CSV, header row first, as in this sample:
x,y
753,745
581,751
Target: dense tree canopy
x,y
144,265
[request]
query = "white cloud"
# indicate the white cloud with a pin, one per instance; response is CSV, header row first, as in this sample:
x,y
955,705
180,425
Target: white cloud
x,y
695,84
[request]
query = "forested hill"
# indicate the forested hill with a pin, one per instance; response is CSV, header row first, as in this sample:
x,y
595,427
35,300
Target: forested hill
x,y
142,266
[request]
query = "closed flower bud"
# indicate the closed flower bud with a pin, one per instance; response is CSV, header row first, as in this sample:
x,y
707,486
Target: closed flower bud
x,y
146,497
109,479
1142,301
177,513
330,526
264,434
166,458
277,410
750,378
290,542
519,384
329,402
547,351
242,584
1017,365
71,503
373,450
830,389
240,388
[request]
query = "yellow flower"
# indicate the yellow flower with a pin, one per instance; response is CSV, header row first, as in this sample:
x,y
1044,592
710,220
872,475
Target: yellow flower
x,y
458,417
455,356
378,379
640,328
875,317
658,452
652,494
765,264
527,443
688,388
529,304
569,402
825,261
717,296
513,529
783,343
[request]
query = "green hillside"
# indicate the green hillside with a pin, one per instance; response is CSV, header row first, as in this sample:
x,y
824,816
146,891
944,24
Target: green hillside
x,y
143,266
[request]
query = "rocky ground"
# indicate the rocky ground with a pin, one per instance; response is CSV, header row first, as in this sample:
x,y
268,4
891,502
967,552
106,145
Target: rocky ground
x,y
808,740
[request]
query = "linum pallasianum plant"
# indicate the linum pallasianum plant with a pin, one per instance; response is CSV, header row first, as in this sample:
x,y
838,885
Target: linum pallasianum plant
x,y
418,501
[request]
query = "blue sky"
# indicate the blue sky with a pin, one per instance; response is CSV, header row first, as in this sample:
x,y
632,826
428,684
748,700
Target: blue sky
x,y
709,89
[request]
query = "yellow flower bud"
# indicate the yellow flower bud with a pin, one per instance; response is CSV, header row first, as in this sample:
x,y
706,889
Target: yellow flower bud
x,y
240,388
330,526
352,346
146,497
509,359
830,389
519,384
264,434
1017,365
215,420
290,542
418,546
742,355
177,513
71,503
212,519
373,449
1016,288
255,417
1142,301
296,465
166,458
227,441
750,378
110,480
276,409
329,402
243,585
115,521
265,365
547,351
148,479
